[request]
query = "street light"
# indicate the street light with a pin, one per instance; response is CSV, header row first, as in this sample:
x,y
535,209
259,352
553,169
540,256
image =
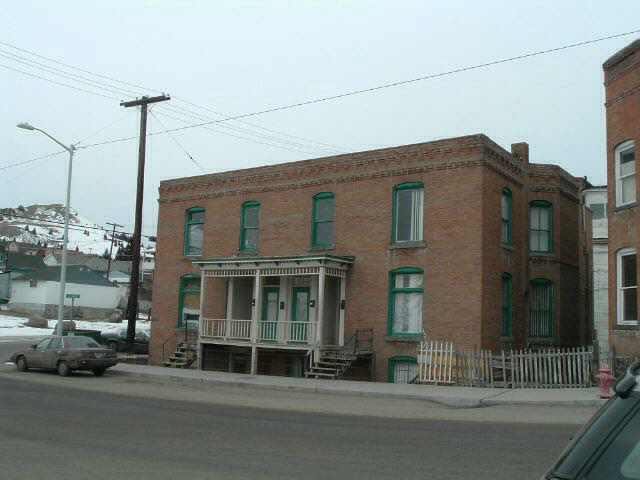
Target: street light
x,y
63,268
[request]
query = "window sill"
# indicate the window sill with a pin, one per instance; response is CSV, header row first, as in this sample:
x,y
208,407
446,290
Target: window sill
x,y
192,257
404,338
542,254
626,326
401,245
508,247
322,248
625,207
248,253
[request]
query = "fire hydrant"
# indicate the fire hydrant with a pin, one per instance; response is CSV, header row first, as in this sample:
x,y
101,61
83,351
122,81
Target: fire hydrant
x,y
605,382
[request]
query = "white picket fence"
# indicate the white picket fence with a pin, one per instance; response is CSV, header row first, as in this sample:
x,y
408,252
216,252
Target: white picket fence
x,y
440,363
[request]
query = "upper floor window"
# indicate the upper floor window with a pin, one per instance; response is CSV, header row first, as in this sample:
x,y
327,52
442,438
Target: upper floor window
x,y
627,280
507,216
408,199
324,216
507,305
625,158
250,226
406,289
598,211
194,232
541,309
541,227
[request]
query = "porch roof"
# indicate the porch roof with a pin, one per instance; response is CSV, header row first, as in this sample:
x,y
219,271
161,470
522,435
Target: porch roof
x,y
275,266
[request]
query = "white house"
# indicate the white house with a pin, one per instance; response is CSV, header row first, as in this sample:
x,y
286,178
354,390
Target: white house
x,y
596,199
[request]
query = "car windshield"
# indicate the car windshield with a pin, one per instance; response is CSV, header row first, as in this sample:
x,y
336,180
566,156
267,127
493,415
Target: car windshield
x,y
80,342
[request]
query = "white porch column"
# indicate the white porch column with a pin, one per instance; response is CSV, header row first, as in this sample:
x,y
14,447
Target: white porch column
x,y
203,285
343,297
320,309
229,316
255,318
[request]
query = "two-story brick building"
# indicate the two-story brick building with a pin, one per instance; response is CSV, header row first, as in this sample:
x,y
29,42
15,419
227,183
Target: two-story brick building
x,y
455,239
622,87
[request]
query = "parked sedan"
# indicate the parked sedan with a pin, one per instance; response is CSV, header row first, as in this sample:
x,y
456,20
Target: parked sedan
x,y
608,447
66,354
116,340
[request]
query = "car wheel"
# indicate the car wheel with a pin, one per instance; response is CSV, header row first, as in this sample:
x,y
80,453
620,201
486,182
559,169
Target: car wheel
x,y
21,363
98,372
63,369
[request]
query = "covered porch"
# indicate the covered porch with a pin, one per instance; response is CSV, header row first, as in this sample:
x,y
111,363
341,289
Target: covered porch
x,y
285,303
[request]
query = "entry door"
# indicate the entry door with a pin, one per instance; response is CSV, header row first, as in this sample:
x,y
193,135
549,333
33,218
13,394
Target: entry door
x,y
270,301
300,315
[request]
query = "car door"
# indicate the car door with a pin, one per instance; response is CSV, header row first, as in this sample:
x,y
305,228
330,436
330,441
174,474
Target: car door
x,y
35,356
52,353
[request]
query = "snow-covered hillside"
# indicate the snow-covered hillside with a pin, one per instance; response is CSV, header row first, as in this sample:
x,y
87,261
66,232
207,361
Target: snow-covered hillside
x,y
43,225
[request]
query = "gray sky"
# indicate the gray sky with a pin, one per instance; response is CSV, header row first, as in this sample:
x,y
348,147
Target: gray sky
x,y
242,56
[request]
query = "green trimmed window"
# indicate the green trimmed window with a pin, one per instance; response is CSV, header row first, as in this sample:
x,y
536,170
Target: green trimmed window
x,y
194,232
250,226
507,305
189,302
408,200
507,216
402,369
406,291
541,324
324,218
541,227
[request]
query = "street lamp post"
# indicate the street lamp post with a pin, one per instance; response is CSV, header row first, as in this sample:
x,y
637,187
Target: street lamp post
x,y
63,268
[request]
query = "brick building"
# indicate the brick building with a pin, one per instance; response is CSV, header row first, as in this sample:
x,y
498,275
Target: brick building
x,y
622,86
457,239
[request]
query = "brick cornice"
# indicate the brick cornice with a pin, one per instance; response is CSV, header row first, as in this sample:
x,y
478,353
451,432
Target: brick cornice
x,y
627,93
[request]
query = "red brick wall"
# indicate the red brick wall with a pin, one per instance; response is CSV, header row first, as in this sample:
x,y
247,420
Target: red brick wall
x,y
622,87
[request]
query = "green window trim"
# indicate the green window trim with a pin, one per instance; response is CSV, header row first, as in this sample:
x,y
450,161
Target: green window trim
x,y
393,361
191,221
392,293
541,204
244,228
316,221
542,320
507,217
507,305
394,215
186,288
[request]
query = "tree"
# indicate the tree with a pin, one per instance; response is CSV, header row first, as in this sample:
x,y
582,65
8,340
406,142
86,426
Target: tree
x,y
125,253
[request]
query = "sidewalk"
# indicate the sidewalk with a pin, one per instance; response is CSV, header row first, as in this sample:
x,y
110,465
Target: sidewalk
x,y
458,397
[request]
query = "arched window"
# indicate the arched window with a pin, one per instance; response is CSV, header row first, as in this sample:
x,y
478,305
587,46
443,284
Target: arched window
x,y
507,305
323,231
507,216
250,226
408,200
541,226
541,311
194,231
189,302
406,291
625,158
627,283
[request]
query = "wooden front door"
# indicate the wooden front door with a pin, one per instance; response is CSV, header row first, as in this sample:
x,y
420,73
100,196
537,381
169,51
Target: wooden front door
x,y
300,315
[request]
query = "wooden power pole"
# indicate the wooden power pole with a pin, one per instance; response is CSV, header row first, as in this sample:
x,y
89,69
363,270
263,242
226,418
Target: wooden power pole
x,y
132,305
113,237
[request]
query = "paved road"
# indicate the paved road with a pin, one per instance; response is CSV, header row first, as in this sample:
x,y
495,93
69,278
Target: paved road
x,y
52,431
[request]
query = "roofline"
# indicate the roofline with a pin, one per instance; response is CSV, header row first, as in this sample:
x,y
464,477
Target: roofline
x,y
621,54
481,138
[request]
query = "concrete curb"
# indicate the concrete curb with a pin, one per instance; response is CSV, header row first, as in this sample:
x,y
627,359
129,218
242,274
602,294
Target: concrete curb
x,y
470,397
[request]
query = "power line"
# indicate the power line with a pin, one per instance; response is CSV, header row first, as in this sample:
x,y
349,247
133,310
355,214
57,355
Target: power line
x,y
175,140
383,86
25,162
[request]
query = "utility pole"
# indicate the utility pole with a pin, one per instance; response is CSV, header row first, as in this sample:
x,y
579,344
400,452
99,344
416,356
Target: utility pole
x,y
113,236
132,305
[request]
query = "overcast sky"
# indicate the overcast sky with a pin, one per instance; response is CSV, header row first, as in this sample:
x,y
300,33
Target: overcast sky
x,y
244,56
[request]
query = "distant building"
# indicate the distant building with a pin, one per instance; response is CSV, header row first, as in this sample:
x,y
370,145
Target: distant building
x,y
596,199
622,87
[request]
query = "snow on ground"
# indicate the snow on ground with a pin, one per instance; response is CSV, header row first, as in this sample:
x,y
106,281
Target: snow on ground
x,y
15,327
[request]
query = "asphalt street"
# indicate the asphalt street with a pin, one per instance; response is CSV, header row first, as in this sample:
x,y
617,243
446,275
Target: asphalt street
x,y
52,431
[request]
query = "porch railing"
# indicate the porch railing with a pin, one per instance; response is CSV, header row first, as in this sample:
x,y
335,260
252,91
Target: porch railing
x,y
267,332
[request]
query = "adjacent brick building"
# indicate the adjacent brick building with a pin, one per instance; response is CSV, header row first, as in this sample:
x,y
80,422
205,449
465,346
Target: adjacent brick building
x,y
455,239
622,86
